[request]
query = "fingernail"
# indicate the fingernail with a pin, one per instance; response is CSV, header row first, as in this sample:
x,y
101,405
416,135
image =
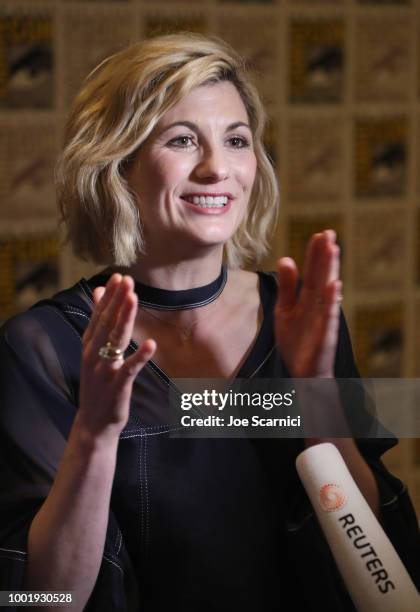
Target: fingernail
x,y
331,234
115,277
286,260
149,345
129,279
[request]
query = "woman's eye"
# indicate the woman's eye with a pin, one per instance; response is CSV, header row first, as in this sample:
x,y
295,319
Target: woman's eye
x,y
180,141
239,142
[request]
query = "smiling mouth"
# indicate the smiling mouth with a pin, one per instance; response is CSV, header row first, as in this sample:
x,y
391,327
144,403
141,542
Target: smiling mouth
x,y
207,201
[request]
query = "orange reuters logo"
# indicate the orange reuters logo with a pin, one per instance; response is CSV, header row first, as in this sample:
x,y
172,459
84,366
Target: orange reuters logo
x,y
332,497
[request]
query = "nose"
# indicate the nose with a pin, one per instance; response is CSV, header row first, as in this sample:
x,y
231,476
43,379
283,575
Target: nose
x,y
212,166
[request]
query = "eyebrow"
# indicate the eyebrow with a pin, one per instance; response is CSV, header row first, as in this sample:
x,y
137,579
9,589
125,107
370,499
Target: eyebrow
x,y
194,127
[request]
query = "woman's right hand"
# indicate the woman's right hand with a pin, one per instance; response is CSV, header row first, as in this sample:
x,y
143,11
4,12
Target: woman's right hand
x,y
106,385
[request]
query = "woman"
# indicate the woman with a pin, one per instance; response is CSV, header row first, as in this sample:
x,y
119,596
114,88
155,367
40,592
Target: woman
x,y
164,177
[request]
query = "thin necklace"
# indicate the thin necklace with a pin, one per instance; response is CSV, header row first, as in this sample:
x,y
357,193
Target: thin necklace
x,y
185,330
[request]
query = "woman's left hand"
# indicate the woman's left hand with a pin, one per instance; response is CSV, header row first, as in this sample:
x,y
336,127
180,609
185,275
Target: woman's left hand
x,y
306,323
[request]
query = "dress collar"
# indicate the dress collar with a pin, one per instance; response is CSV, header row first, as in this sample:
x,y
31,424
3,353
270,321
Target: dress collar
x,y
169,299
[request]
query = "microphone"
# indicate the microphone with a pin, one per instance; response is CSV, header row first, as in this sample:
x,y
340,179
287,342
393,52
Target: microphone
x,y
373,573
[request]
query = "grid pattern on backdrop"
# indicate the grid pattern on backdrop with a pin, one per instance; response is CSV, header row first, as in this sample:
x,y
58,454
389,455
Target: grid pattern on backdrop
x,y
341,82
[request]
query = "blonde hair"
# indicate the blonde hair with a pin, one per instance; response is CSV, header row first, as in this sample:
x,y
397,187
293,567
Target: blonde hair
x,y
119,105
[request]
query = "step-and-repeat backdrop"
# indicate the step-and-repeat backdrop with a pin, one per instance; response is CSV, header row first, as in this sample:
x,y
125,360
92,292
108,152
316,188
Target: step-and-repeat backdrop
x,y
341,82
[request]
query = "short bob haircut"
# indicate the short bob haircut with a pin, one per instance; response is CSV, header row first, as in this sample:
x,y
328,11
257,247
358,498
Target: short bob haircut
x,y
119,105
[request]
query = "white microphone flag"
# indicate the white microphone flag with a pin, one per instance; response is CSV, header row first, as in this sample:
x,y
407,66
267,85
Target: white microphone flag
x,y
373,573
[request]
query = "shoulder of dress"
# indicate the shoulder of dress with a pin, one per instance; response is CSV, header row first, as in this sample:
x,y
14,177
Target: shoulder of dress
x,y
17,324
22,333
74,300
79,295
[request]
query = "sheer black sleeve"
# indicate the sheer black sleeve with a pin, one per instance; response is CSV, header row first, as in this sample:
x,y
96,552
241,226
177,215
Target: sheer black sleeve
x,y
34,405
37,408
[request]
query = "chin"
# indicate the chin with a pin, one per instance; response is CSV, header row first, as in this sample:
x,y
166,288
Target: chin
x,y
213,238
204,243
217,233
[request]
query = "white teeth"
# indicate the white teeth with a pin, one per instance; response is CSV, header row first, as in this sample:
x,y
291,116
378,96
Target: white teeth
x,y
208,201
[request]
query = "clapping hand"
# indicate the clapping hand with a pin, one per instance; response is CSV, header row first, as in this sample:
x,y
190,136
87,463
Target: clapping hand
x,y
306,322
106,382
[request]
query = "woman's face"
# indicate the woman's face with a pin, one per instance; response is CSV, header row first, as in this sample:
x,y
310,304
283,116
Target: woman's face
x,y
194,174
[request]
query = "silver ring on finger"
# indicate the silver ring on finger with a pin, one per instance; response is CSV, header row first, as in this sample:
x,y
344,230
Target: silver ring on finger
x,y
111,352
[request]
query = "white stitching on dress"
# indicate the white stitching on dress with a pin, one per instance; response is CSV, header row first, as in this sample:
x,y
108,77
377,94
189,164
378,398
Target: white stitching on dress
x,y
145,427
263,362
152,433
156,371
84,291
76,312
65,320
395,498
13,558
119,544
113,563
297,527
20,552
195,304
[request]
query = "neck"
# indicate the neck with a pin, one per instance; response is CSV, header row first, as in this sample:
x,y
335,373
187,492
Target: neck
x,y
175,273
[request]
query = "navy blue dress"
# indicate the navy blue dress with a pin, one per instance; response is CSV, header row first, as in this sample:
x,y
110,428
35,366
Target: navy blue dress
x,y
194,524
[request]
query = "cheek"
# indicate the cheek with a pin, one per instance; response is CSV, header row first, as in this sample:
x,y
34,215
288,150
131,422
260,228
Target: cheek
x,y
168,171
154,174
151,172
246,172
